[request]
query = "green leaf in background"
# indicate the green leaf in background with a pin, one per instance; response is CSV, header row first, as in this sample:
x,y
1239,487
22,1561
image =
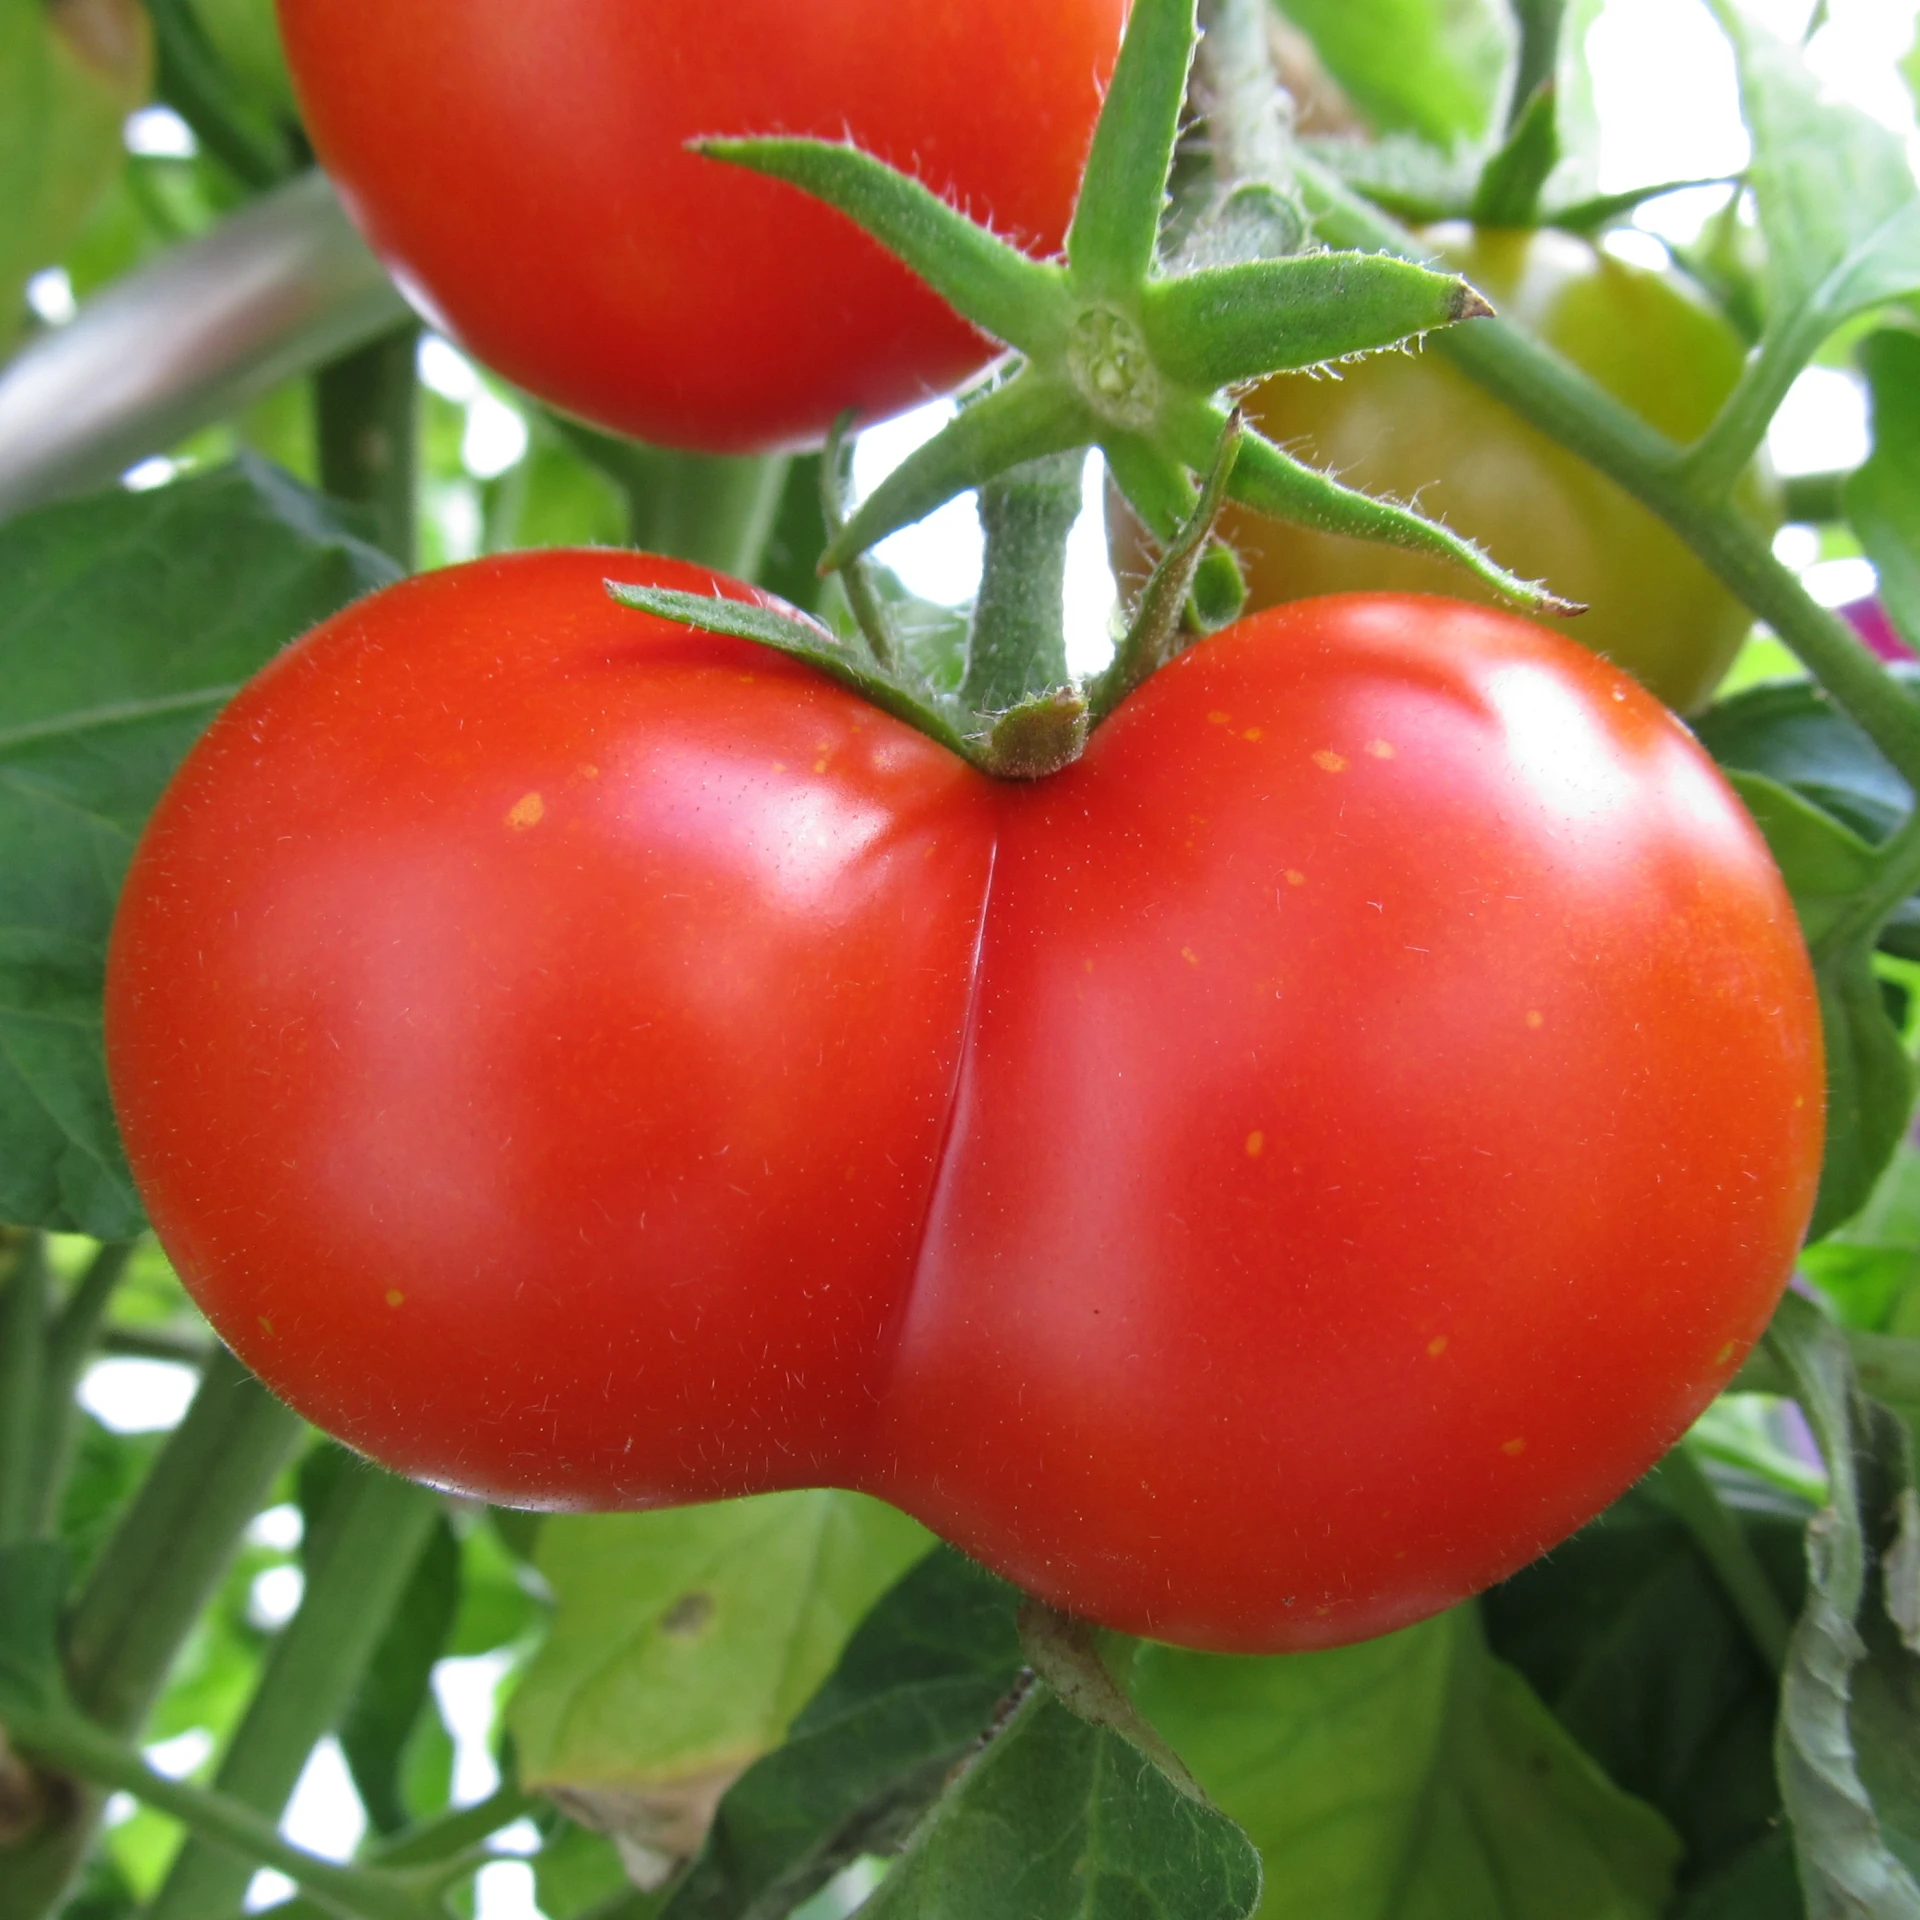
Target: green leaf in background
x,y
1429,67
1870,1269
1837,200
70,73
1060,1820
1833,1763
683,1644
917,1684
1883,496
126,620
246,35
1409,1778
1627,1635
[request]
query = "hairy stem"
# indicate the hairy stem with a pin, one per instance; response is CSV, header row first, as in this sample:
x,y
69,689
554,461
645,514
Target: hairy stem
x,y
1017,645
70,1344
23,1385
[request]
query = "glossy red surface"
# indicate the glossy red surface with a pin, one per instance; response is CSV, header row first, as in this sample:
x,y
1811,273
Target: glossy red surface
x,y
1253,1188
524,175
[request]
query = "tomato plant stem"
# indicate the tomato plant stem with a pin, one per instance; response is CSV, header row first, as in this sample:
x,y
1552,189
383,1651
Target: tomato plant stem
x,y
1888,1366
194,81
1017,643
367,425
67,1741
1568,407
23,1344
369,1542
1245,107
1727,1550
70,1343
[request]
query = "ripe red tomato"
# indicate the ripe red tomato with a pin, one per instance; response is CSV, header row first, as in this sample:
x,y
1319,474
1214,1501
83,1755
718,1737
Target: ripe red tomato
x,y
523,173
1253,1188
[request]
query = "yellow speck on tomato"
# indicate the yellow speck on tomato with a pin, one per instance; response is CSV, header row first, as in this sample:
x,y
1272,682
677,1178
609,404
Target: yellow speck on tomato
x,y
1725,1354
820,765
1256,1141
528,811
588,771
266,1325
1252,733
1217,718
1381,749
1189,956
1535,1018
394,1296
1295,878
779,766
1514,1448
1436,1346
1329,761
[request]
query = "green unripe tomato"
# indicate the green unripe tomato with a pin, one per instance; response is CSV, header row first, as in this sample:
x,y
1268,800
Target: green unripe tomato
x,y
1414,427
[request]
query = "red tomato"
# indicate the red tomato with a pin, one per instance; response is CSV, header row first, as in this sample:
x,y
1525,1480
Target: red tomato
x,y
522,171
1253,1188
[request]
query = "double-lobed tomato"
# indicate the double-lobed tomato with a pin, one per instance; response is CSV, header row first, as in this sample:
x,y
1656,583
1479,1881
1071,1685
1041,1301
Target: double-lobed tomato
x,y
1253,1188
1415,427
523,172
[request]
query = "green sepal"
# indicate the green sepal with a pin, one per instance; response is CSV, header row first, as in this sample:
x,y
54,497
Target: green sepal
x,y
1602,210
1223,325
1022,420
1116,224
1154,637
1274,483
1035,737
1508,193
1020,301
856,575
803,640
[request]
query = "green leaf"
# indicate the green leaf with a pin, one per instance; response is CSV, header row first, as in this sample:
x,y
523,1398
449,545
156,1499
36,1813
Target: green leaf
x,y
1430,67
1223,325
1870,1084
685,1642
33,1588
125,622
915,1686
1823,863
1826,1754
1116,223
1883,497
1792,732
1629,1639
69,76
1837,200
1060,1820
1408,1778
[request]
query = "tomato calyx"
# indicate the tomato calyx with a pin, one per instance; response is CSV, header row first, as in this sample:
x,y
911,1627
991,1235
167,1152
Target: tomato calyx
x,y
1117,349
1016,714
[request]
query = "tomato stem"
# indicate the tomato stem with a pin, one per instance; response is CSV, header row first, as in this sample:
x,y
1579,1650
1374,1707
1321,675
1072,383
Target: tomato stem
x,y
1016,644
367,426
23,1348
71,1336
371,1536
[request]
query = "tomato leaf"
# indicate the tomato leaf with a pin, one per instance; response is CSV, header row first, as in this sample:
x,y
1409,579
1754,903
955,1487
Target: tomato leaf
x,y
1870,1085
1851,1685
1823,863
1883,496
917,1683
1060,1820
1413,1775
1632,1643
685,1643
1431,67
125,623
1837,199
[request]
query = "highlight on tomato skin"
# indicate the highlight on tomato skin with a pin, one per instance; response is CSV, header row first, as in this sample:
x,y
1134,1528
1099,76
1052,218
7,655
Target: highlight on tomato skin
x,y
1253,1188
524,176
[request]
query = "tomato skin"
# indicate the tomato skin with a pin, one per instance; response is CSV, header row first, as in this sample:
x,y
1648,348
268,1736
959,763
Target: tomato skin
x,y
525,178
517,1015
784,1102
1416,428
